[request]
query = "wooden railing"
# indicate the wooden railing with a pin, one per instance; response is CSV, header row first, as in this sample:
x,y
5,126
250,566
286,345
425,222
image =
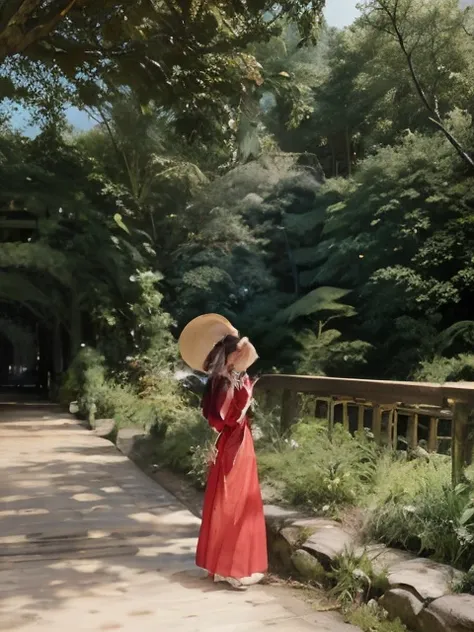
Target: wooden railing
x,y
387,403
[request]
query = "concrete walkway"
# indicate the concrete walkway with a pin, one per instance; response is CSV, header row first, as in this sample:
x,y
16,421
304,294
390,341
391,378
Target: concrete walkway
x,y
88,542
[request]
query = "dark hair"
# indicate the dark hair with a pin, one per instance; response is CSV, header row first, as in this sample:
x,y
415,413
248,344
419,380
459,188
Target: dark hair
x,y
217,358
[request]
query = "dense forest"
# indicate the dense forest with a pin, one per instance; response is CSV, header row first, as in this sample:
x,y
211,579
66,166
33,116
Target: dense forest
x,y
315,186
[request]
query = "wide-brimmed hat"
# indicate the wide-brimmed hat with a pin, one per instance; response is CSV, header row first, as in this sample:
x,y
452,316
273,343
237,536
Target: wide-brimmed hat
x,y
201,335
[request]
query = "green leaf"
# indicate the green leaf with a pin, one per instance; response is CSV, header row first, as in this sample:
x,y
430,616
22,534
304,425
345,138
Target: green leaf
x,y
467,516
119,221
323,299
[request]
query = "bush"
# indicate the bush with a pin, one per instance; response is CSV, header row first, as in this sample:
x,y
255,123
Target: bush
x,y
440,369
372,619
183,446
355,580
88,383
415,507
318,473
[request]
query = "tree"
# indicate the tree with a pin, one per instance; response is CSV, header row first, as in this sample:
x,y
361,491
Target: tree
x,y
435,46
401,238
189,57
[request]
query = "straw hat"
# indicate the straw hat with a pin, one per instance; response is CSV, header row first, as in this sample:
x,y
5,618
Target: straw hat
x,y
200,336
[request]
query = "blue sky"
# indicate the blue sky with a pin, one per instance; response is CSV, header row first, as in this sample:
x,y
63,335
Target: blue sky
x,y
338,13
341,12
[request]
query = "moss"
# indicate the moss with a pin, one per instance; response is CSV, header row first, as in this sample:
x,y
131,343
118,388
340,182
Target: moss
x,y
373,619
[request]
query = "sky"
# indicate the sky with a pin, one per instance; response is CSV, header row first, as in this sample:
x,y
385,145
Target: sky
x,y
341,13
338,13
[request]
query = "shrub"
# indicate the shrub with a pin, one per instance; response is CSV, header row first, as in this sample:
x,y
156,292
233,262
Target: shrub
x,y
415,507
183,446
441,369
321,474
355,580
466,583
88,383
372,619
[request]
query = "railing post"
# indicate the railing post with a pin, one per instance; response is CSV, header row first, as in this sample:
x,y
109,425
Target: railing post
x,y
433,435
377,423
345,416
395,430
412,432
360,417
289,405
460,428
390,428
331,419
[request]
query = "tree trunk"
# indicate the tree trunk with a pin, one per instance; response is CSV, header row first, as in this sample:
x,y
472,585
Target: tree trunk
x,y
348,152
75,324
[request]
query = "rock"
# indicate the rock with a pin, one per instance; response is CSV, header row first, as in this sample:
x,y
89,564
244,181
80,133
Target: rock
x,y
454,612
281,546
127,440
106,428
418,453
308,566
403,605
430,622
277,518
328,542
383,558
426,579
292,535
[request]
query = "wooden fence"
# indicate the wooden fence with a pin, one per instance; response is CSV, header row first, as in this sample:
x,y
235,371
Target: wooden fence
x,y
387,403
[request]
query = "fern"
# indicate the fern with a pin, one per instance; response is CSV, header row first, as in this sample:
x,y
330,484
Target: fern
x,y
322,299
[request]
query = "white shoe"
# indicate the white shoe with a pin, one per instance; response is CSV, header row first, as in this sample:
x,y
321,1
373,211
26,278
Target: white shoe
x,y
235,583
256,578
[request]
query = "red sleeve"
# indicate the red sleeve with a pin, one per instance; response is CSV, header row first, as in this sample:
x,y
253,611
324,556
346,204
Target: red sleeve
x,y
226,406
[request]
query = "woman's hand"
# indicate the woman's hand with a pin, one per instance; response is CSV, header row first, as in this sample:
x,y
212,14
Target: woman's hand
x,y
243,357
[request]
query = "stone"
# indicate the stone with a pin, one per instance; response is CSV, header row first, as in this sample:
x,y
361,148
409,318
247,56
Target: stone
x,y
430,622
383,558
277,518
280,551
106,428
292,535
426,579
127,440
328,542
454,612
308,566
403,605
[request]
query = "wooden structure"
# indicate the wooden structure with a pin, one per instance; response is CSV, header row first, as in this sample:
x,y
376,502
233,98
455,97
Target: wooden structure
x,y
388,402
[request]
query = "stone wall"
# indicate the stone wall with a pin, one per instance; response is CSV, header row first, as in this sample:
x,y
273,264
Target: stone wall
x,y
416,590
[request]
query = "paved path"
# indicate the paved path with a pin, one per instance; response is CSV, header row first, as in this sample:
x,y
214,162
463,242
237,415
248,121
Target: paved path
x,y
88,542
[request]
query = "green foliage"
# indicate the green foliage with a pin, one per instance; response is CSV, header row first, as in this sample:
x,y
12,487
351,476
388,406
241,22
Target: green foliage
x,y
320,474
355,580
439,369
466,583
325,351
414,506
89,50
322,299
185,447
372,619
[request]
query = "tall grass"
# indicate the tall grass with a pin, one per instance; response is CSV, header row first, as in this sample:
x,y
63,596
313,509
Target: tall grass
x,y
414,506
312,471
407,504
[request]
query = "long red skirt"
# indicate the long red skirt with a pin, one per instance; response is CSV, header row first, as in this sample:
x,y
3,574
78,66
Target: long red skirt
x,y
232,541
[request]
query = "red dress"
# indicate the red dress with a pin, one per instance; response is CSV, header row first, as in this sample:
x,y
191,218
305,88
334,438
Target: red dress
x,y
232,542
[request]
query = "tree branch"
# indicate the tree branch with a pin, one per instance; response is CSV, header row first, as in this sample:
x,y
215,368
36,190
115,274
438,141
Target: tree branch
x,y
16,39
433,110
18,11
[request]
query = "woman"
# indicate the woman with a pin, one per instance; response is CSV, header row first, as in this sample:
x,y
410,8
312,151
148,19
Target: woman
x,y
232,542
